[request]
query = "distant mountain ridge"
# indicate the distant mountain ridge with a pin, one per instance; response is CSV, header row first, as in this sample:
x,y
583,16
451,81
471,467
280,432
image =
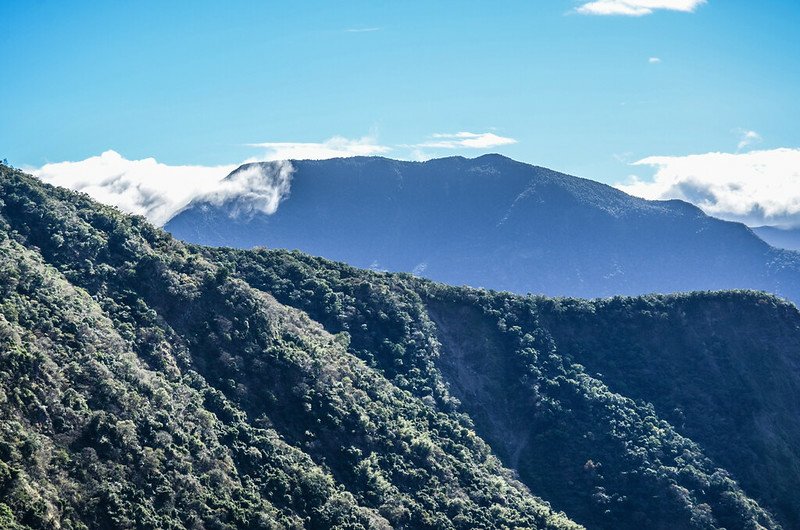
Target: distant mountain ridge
x,y
497,223
786,238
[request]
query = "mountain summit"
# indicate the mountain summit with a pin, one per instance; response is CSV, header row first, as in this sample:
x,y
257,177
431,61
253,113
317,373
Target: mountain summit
x,y
497,223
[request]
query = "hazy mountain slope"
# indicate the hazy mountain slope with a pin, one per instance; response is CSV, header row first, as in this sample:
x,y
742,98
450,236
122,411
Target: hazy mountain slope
x,y
271,389
787,238
501,224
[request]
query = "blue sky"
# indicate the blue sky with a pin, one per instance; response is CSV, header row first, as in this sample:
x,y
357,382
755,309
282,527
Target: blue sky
x,y
198,83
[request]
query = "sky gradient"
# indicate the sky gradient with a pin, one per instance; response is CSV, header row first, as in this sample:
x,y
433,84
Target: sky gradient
x,y
588,88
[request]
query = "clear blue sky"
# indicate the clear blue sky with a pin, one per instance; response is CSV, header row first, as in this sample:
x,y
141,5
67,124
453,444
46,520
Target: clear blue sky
x,y
194,82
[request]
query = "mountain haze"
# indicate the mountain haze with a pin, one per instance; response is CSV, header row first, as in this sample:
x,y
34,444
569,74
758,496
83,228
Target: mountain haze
x,y
501,224
146,383
786,238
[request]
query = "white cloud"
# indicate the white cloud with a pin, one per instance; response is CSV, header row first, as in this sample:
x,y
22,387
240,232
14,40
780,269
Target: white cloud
x,y
143,187
654,60
335,147
461,140
747,138
637,8
159,191
757,187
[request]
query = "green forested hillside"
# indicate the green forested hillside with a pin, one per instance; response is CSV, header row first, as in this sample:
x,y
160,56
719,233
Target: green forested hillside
x,y
149,384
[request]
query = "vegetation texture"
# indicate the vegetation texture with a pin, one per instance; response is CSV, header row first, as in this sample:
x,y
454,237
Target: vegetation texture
x,y
145,383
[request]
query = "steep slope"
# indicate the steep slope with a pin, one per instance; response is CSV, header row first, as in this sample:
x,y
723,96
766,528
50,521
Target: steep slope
x,y
497,223
513,368
670,350
144,387
177,386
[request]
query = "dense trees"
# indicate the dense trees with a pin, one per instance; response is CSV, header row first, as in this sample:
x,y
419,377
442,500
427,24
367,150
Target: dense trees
x,y
512,365
149,384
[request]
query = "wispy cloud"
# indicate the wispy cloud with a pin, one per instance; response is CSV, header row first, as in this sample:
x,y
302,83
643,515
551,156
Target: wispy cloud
x,y
637,8
257,188
361,30
654,60
465,140
757,187
335,147
747,138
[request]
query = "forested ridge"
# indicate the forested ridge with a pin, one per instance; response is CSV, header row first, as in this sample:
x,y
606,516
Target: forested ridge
x,y
146,383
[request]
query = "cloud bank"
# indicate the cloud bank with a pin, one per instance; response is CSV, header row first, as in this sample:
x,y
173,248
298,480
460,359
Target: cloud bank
x,y
637,8
756,188
158,191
